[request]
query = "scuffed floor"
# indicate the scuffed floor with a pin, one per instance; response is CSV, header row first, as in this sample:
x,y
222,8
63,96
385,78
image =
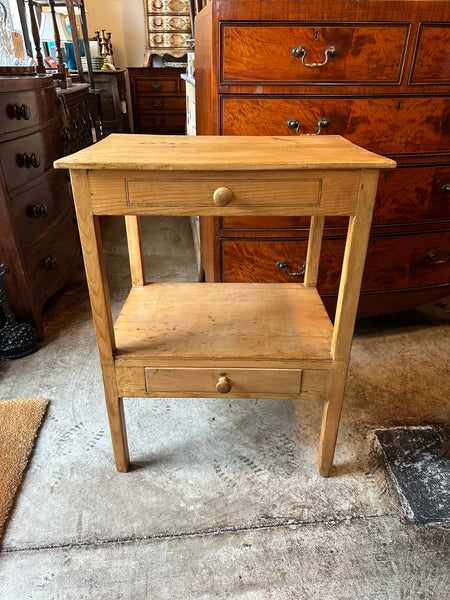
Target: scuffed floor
x,y
224,500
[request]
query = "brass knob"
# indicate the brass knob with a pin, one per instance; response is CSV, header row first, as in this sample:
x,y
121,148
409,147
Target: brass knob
x,y
223,385
222,196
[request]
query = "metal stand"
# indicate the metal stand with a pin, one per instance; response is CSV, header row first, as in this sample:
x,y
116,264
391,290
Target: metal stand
x,y
16,339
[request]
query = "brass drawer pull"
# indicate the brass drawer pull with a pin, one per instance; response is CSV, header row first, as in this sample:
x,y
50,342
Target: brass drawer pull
x,y
223,385
50,263
222,196
300,52
295,124
156,86
157,103
433,256
281,264
445,189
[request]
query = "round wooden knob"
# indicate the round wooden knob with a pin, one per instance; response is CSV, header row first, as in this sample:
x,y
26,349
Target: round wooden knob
x,y
223,385
222,196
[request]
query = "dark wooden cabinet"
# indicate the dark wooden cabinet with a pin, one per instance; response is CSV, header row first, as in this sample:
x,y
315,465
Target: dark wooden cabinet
x,y
158,100
39,240
377,73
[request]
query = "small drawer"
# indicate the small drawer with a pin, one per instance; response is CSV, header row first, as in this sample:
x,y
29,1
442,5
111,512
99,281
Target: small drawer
x,y
48,261
242,193
169,39
167,22
26,158
36,209
387,126
163,7
431,64
156,86
232,382
267,53
27,108
161,103
163,120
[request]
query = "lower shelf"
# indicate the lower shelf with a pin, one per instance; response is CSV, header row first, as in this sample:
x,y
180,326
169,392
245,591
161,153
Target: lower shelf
x,y
178,339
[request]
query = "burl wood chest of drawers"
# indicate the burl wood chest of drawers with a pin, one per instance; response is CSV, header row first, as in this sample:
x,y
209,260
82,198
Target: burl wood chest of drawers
x,y
158,100
39,237
376,72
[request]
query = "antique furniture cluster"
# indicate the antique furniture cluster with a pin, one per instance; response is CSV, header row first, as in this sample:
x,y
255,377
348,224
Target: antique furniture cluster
x,y
158,99
240,340
39,240
376,72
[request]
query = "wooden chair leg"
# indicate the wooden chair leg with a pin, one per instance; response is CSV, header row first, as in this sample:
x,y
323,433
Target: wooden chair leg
x,y
330,423
116,416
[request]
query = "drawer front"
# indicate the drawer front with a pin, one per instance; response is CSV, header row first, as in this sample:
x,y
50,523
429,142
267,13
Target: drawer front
x,y
413,194
163,7
26,158
24,109
36,209
158,122
227,382
384,125
161,103
48,261
243,193
432,60
156,86
313,54
392,262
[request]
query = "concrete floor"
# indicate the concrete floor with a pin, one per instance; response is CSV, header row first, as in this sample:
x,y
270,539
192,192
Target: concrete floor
x,y
224,500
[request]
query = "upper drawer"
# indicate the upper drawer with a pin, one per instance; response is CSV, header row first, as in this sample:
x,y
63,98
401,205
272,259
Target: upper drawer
x,y
161,103
388,126
432,58
25,158
156,86
23,109
313,54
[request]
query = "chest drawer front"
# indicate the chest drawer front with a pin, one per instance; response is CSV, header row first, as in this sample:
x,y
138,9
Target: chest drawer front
x,y
156,86
268,53
47,262
161,103
391,263
24,109
28,157
432,60
37,208
233,382
384,125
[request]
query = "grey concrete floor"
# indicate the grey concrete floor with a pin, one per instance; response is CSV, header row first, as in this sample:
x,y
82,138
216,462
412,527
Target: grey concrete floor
x,y
224,500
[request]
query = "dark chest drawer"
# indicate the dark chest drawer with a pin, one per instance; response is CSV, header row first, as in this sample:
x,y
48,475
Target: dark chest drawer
x,y
26,158
314,54
385,125
26,108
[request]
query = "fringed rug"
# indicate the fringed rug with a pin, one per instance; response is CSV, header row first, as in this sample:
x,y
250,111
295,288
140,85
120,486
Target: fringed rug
x,y
19,424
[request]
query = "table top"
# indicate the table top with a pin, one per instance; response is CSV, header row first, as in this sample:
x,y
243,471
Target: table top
x,y
137,152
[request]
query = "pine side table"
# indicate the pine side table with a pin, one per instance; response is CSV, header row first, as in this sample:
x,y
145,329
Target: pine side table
x,y
212,339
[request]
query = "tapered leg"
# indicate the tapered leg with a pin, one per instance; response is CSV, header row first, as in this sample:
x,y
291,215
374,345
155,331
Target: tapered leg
x,y
118,430
330,422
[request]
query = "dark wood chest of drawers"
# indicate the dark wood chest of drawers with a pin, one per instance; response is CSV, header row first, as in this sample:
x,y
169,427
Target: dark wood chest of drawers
x,y
39,239
158,100
376,72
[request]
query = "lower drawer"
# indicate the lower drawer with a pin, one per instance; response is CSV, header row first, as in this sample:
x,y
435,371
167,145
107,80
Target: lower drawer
x,y
48,261
216,382
399,262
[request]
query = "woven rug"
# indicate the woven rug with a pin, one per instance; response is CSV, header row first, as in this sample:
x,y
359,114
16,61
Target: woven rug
x,y
19,424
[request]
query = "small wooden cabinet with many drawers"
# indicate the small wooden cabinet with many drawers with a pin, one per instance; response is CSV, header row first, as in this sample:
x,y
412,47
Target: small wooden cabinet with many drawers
x,y
158,100
39,239
376,72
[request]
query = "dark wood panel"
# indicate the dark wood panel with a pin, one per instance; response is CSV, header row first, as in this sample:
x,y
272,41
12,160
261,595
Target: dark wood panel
x,y
392,125
262,52
392,262
161,103
432,62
